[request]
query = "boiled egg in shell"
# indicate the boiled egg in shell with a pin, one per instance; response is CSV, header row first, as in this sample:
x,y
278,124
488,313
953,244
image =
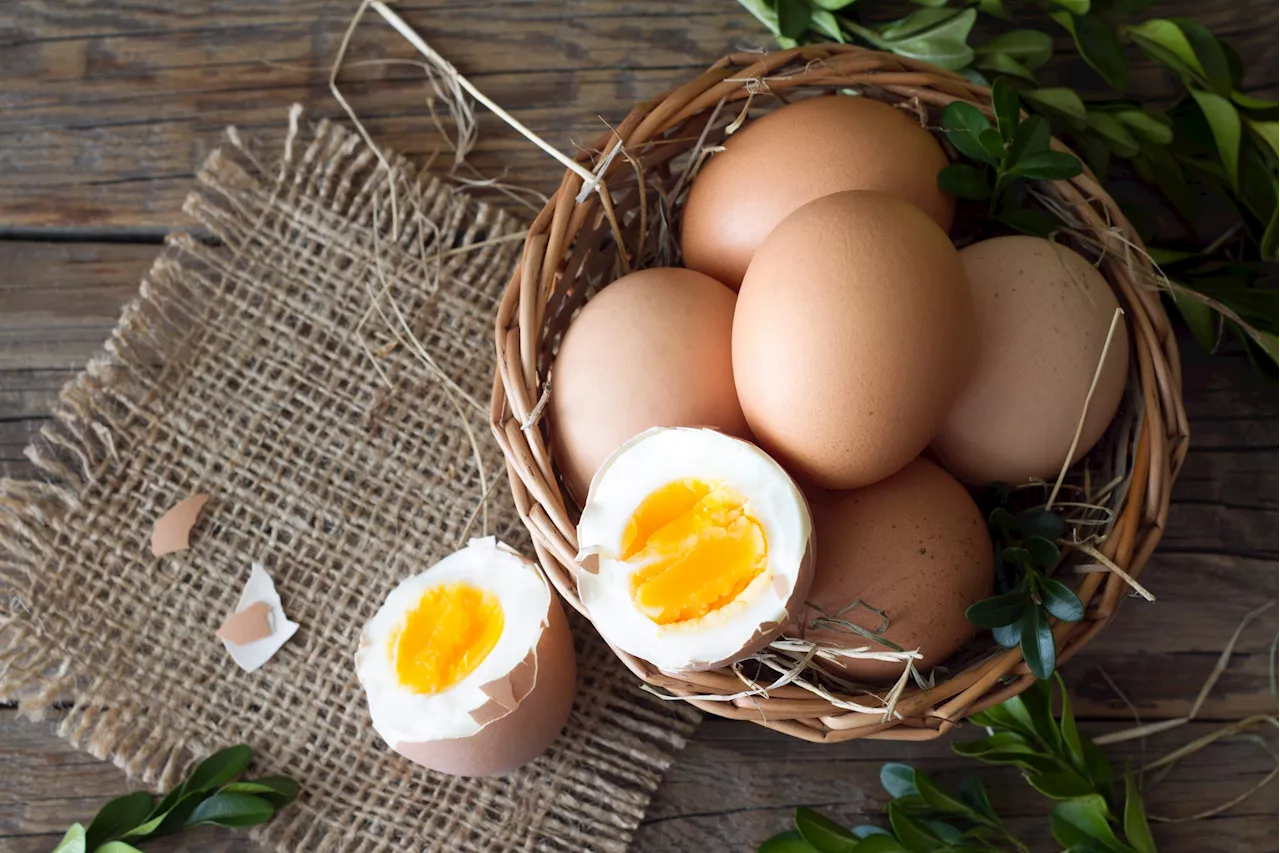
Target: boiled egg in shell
x,y
694,547
468,666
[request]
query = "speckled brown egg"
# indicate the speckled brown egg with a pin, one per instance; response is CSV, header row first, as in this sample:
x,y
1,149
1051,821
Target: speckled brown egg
x,y
795,154
1043,312
853,335
650,350
913,546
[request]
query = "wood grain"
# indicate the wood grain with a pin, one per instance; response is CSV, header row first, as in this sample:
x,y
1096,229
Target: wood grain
x,y
107,109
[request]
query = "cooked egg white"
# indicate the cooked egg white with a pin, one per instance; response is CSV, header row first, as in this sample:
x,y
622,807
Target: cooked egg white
x,y
694,546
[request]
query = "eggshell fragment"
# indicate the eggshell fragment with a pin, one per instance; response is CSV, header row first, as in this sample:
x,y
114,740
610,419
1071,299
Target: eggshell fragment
x,y
1043,313
172,532
781,161
853,335
245,626
914,546
260,590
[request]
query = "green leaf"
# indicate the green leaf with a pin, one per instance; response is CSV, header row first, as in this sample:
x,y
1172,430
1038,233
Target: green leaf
x,y
884,843
1249,102
1116,134
73,841
1002,63
995,8
1268,132
822,833
277,790
1067,726
118,847
972,793
232,810
827,24
1097,765
1136,829
964,123
1037,643
1001,741
1043,551
911,833
1031,48
1041,522
787,842
793,17
1004,103
1224,121
1036,223
998,610
1058,100
1214,68
1098,45
1060,601
1200,318
1166,43
219,768
899,780
1035,705
1082,819
992,143
1097,153
1008,636
1147,126
1017,556
168,817
938,799
1031,137
1060,785
866,830
1048,165
1075,7
117,817
1267,247
965,181
937,36
832,5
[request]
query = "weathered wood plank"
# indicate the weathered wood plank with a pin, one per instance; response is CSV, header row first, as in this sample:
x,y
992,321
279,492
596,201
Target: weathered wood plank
x,y
108,111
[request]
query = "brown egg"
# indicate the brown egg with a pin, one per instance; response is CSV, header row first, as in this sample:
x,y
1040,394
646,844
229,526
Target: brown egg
x,y
798,153
853,335
914,546
652,349
1043,313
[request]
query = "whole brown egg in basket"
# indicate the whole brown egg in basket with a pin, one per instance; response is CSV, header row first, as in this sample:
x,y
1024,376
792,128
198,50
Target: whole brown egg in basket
x,y
818,462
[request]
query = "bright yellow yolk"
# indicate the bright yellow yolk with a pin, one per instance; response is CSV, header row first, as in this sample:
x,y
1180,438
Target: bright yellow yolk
x,y
448,635
696,548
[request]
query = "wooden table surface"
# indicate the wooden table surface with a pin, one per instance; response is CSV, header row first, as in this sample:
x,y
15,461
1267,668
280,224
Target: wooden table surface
x,y
107,108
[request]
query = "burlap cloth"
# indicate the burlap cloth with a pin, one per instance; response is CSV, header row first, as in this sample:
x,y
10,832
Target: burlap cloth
x,y
242,370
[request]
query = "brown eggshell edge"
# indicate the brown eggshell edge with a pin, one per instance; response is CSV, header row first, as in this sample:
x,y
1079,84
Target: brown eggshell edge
x,y
542,689
173,531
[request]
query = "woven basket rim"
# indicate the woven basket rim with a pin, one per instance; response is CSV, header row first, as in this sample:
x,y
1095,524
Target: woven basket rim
x,y
552,264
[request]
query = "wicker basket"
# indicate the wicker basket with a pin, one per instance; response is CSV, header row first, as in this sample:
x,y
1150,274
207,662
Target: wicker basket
x,y
583,240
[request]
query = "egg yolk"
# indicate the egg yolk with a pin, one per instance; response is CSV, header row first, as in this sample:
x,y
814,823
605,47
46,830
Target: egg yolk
x,y
695,548
443,639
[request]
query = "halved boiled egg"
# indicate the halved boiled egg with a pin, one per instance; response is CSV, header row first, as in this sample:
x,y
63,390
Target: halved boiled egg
x,y
468,666
694,547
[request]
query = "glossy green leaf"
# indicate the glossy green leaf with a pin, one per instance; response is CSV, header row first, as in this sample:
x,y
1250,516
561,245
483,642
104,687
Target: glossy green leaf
x,y
1002,63
1113,131
277,790
964,123
938,36
1075,7
1224,121
1166,43
1043,551
1267,131
1079,820
1001,741
1097,153
1003,522
1214,68
1007,636
939,800
117,817
786,842
822,833
1032,48
1060,785
1098,45
1035,705
219,768
1099,768
972,793
1146,126
118,847
965,181
885,843
1031,137
72,841
995,8
866,830
793,17
911,832
832,5
1136,829
1037,643
998,610
170,816
1004,103
899,780
1017,557
1043,523
827,24
1060,601
1249,102
1071,740
1058,100
232,810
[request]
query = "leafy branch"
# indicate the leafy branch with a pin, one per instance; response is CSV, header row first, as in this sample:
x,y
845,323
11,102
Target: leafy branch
x,y
210,795
1216,147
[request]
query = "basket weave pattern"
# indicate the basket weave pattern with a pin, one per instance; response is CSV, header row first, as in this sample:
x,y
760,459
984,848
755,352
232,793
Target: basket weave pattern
x,y
582,240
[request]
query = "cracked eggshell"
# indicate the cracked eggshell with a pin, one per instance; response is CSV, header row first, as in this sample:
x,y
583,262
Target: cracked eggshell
x,y
173,530
510,708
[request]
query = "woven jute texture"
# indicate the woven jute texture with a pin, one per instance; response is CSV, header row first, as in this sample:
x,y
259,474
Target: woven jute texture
x,y
338,459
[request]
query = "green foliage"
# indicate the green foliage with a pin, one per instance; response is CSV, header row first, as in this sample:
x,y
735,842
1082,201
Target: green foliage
x,y
1216,141
210,795
1023,732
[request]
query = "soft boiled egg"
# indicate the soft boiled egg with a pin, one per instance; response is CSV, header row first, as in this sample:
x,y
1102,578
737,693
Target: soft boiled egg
x,y
468,666
694,547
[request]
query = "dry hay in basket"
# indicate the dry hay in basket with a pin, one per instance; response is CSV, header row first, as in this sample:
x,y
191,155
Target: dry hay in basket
x,y
617,209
